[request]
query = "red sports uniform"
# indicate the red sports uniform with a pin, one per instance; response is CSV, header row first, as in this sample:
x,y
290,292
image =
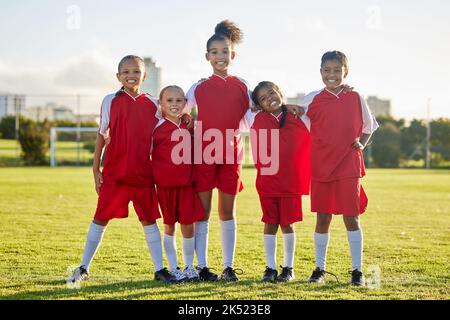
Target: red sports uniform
x,y
177,199
280,193
127,170
337,120
221,104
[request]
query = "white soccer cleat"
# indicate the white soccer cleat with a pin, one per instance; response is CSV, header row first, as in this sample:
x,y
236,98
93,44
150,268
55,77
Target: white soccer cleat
x,y
191,274
78,275
179,275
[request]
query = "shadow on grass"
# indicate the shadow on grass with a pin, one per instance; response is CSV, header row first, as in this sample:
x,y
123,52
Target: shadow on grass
x,y
155,290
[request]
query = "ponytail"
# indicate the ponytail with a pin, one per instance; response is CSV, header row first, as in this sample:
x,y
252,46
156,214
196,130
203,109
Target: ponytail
x,y
283,117
226,30
120,91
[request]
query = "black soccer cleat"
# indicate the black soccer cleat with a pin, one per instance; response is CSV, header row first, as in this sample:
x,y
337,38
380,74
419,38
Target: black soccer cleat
x,y
358,278
317,276
229,274
205,274
270,275
165,276
287,274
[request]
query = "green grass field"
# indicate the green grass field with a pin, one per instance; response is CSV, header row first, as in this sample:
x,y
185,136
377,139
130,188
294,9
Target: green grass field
x,y
66,152
45,214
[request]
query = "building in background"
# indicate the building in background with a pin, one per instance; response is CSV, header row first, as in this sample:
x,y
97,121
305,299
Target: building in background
x,y
51,111
379,107
152,84
11,104
298,99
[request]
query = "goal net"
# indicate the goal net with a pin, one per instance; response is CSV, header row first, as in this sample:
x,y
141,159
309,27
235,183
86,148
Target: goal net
x,y
72,146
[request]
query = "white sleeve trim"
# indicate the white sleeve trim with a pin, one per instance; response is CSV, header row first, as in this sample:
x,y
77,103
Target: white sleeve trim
x,y
105,114
155,101
370,124
309,98
248,120
305,105
190,96
251,105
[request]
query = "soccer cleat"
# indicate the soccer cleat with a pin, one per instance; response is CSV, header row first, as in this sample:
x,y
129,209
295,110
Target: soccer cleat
x,y
229,274
318,276
287,274
78,275
165,276
191,274
358,278
270,275
205,274
179,275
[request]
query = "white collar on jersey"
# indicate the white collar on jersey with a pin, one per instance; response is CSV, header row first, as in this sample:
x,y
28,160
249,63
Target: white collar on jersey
x,y
278,116
334,94
134,98
177,124
224,79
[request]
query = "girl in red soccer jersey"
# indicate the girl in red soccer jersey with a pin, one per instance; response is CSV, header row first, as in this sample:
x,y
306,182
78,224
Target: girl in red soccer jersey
x,y
173,173
341,125
128,118
221,101
284,179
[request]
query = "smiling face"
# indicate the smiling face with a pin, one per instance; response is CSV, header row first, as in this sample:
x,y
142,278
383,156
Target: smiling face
x,y
131,75
270,99
220,53
333,75
172,103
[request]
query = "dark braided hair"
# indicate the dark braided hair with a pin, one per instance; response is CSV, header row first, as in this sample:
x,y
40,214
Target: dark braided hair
x,y
225,30
273,86
126,58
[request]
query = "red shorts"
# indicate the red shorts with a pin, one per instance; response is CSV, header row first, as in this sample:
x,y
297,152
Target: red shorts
x,y
225,177
346,197
281,210
180,204
114,198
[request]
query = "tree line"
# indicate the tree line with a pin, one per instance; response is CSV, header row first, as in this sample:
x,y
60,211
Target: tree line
x,y
396,144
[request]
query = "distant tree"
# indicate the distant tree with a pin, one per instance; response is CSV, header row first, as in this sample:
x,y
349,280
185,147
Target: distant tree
x,y
386,147
8,126
34,139
413,138
440,137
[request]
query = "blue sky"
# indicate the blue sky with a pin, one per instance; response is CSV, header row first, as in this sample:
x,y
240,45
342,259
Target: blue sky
x,y
396,49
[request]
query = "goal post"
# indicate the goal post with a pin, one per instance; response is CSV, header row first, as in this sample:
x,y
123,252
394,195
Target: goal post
x,y
77,141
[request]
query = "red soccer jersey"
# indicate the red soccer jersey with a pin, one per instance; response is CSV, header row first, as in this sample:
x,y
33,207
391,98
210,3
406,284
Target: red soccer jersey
x,y
165,170
336,122
130,122
221,104
293,176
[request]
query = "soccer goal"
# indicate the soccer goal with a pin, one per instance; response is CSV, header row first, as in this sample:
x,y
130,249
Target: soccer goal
x,y
72,146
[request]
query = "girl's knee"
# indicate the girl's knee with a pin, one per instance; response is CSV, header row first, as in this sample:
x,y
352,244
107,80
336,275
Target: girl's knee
x,y
169,229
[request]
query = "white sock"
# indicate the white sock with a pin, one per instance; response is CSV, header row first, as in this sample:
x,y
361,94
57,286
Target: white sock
x,y
228,237
289,249
201,243
355,240
188,251
170,247
93,240
270,249
153,238
321,245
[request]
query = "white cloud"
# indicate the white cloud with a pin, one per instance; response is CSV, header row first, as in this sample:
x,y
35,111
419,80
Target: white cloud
x,y
90,73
